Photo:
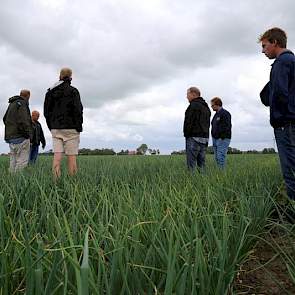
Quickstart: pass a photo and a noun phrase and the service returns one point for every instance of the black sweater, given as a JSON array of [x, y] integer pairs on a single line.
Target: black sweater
[[63, 108], [197, 119], [221, 124]]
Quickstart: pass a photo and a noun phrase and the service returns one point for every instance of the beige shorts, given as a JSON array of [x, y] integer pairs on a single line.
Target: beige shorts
[[65, 141]]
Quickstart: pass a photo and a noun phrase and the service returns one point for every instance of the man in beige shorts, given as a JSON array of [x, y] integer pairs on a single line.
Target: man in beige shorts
[[63, 111]]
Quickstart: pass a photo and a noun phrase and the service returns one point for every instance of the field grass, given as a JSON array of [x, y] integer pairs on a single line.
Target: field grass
[[132, 225]]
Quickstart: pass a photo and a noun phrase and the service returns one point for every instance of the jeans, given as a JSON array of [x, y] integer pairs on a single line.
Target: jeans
[[33, 154], [19, 155], [220, 147], [195, 153], [285, 139]]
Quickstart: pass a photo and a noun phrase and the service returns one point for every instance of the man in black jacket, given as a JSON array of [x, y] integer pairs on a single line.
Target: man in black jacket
[[221, 131], [18, 130], [63, 111], [38, 136], [196, 129]]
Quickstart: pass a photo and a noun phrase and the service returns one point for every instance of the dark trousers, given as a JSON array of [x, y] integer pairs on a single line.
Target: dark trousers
[[285, 138], [33, 154], [195, 153]]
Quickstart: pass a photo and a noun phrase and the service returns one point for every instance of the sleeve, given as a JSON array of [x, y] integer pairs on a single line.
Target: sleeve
[[42, 137], [24, 120], [225, 124], [264, 95], [4, 118], [281, 83], [78, 109], [46, 109], [191, 115]]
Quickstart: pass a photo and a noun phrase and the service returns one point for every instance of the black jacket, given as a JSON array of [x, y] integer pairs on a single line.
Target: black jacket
[[197, 119], [221, 124], [63, 108], [38, 135], [17, 119]]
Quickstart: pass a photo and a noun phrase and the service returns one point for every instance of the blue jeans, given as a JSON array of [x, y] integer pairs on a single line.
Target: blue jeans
[[285, 138], [220, 147], [195, 153], [33, 154]]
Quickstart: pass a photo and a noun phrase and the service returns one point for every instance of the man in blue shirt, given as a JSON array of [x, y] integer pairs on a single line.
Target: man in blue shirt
[[220, 131], [279, 95]]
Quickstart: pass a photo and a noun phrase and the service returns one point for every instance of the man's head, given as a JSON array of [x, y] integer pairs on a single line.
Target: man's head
[[216, 104], [192, 93], [273, 42], [35, 116], [65, 73], [25, 93]]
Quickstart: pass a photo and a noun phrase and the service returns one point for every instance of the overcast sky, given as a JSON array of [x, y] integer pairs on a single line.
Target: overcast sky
[[133, 61]]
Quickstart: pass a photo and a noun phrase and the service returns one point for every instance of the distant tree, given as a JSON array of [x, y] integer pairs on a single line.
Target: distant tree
[[102, 152], [123, 153], [234, 151], [252, 152], [141, 150], [158, 152], [182, 152], [268, 151]]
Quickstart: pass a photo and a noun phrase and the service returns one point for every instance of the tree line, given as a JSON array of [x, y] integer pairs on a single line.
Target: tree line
[[232, 151]]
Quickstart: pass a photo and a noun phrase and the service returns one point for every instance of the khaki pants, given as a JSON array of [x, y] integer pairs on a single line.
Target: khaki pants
[[19, 155]]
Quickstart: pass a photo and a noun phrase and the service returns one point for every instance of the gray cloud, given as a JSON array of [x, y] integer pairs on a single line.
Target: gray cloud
[[122, 53]]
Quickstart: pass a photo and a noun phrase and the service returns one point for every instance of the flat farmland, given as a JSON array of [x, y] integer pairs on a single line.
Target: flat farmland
[[133, 225]]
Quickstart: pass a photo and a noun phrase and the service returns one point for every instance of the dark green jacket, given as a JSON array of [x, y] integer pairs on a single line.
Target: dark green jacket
[[17, 119]]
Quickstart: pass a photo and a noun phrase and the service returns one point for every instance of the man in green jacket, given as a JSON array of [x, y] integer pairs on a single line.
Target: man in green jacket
[[18, 130]]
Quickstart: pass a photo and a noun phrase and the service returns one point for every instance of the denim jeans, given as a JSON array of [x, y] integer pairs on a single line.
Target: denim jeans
[[33, 154], [195, 153], [285, 139], [220, 147]]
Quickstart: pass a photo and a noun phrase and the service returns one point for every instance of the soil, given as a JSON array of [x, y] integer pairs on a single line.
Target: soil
[[265, 272]]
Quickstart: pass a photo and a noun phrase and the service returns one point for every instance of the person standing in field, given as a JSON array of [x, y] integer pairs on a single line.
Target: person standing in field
[[38, 136], [279, 95], [196, 129], [18, 130], [220, 131], [63, 111]]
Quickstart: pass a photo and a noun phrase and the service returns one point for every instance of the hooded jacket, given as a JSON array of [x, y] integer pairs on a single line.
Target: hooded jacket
[[62, 107], [17, 119], [279, 93], [197, 119]]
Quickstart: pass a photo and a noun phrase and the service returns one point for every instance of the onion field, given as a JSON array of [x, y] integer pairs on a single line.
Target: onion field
[[132, 225]]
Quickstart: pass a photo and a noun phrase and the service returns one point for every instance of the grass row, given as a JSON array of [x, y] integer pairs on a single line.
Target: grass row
[[132, 225]]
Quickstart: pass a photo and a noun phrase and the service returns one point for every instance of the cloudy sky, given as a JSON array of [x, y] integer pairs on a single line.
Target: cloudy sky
[[133, 60]]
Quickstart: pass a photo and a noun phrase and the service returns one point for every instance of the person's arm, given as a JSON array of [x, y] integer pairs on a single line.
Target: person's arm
[[78, 109], [264, 95], [225, 124], [24, 120], [42, 137], [281, 83], [46, 108]]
